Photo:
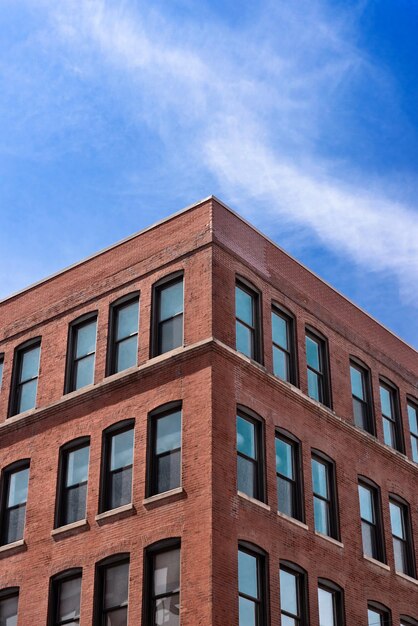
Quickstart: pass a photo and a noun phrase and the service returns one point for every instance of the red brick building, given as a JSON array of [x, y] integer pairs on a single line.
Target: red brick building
[[196, 430]]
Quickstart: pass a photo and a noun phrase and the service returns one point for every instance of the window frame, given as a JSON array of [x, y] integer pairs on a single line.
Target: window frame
[[112, 343], [289, 318], [298, 482], [301, 591], [396, 410], [16, 383], [413, 404], [54, 586], [64, 451], [99, 612], [105, 473], [408, 541], [256, 330], [6, 472], [382, 610], [150, 552], [259, 462], [152, 464], [263, 613], [1, 369], [73, 327], [377, 510], [368, 393], [338, 599], [406, 620], [333, 509], [324, 375], [163, 283], [10, 592]]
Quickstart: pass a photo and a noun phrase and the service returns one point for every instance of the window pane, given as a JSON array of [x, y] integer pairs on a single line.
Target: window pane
[[121, 488], [1, 371], [368, 536], [247, 574], [171, 300], [288, 592], [15, 524], [280, 330], [30, 364], [412, 417], [116, 581], [396, 519], [247, 612], [246, 477], [284, 458], [18, 487], [117, 618], [400, 556], [126, 354], [289, 621], [77, 466], [121, 449], [280, 364], [326, 608], [314, 386], [168, 472], [321, 516], [127, 320], [84, 372], [385, 401], [75, 504], [8, 611], [244, 339], [388, 432], [167, 611], [85, 339], [167, 572], [69, 599], [357, 383], [373, 618], [245, 437], [244, 306], [414, 445], [319, 478], [360, 414], [168, 432], [285, 496], [366, 504], [312, 353], [171, 334], [27, 395]]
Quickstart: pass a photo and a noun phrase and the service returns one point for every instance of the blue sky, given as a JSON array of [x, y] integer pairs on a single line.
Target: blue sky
[[302, 116]]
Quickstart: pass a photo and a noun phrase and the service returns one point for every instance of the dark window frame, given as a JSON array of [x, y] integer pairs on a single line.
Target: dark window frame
[[73, 327], [108, 433], [301, 590], [150, 551], [10, 592], [54, 587], [263, 613], [411, 402], [324, 374], [257, 329], [151, 473], [406, 620], [290, 319], [396, 410], [382, 610], [65, 449], [338, 593], [16, 383], [162, 283], [408, 542], [379, 526], [368, 392], [298, 481], [259, 462], [99, 612], [115, 306], [1, 369], [333, 509], [6, 472]]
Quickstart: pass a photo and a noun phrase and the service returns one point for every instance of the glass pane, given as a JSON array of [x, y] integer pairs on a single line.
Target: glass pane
[[285, 496], [127, 320], [171, 334], [167, 572], [414, 445], [18, 487], [117, 618], [69, 599], [373, 618], [279, 326], [27, 396], [321, 516], [121, 488], [366, 503], [247, 574], [400, 556], [319, 478], [247, 612], [385, 401], [84, 372], [412, 417], [326, 608], [168, 432], [312, 354], [171, 301], [360, 415], [116, 582], [8, 611], [30, 364], [126, 354], [15, 524], [356, 382], [168, 472], [284, 458], [75, 505], [245, 437], [121, 449], [246, 477], [1, 371], [289, 621], [368, 536], [77, 466], [167, 611], [85, 339], [244, 339], [396, 519], [314, 386], [388, 432], [280, 364], [288, 593], [244, 306]]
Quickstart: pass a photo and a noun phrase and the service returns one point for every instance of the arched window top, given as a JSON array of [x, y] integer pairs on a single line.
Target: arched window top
[[290, 565], [163, 544], [322, 455], [245, 545], [132, 295], [126, 423], [408, 621], [329, 584], [357, 361], [283, 432], [8, 591], [113, 558], [28, 343], [397, 499], [17, 465], [245, 411], [67, 573], [85, 317], [78, 441], [365, 480], [311, 330], [282, 310], [173, 276], [166, 408]]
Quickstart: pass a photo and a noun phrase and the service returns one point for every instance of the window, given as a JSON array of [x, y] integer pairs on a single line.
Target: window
[[25, 377], [292, 595], [324, 494], [65, 599], [123, 334], [360, 390], [251, 587], [330, 604], [413, 428], [371, 523], [168, 315], [117, 471], [250, 456], [1, 368], [165, 457], [317, 368], [112, 590], [390, 415], [408, 621], [81, 353], [72, 489], [288, 474], [378, 615], [15, 493], [247, 324], [402, 537], [283, 346], [162, 577], [9, 599]]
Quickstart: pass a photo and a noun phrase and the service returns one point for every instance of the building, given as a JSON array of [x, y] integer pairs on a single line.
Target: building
[[246, 454]]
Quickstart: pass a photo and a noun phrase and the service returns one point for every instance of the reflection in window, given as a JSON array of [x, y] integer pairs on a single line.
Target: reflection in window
[[250, 589], [124, 335], [249, 470], [82, 351], [317, 369], [25, 382], [169, 315], [413, 428], [246, 321], [325, 506], [370, 521], [166, 451], [361, 397], [288, 477], [117, 478], [283, 366], [401, 537], [73, 491], [390, 417], [16, 493]]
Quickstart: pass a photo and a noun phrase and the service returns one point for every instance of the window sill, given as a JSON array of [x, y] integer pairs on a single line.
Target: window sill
[[115, 514], [13, 548], [70, 529], [262, 505], [161, 498], [330, 539], [414, 581], [292, 520], [376, 562]]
